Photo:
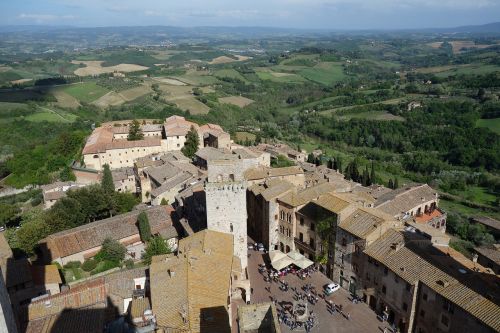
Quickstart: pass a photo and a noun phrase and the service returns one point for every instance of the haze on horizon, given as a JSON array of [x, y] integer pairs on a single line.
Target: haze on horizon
[[308, 14]]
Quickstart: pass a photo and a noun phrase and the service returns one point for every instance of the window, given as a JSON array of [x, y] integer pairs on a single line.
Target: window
[[448, 306], [408, 286], [357, 249], [384, 289], [312, 243], [301, 221], [386, 271], [405, 306], [344, 241], [276, 216], [313, 227], [422, 313], [445, 320], [424, 297], [301, 237]]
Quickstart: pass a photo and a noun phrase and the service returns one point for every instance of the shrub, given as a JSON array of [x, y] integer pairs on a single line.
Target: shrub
[[111, 250], [89, 265], [129, 263], [73, 264], [104, 266]]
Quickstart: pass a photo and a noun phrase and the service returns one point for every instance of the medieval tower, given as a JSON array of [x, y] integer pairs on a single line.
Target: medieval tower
[[225, 191]]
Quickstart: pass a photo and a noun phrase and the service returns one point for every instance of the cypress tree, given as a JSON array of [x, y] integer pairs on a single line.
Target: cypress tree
[[372, 174], [366, 177], [396, 183], [339, 165], [310, 158], [391, 184], [107, 183], [191, 144], [135, 132], [144, 227]]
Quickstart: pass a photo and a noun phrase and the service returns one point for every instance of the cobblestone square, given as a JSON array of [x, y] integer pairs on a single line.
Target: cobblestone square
[[362, 318]]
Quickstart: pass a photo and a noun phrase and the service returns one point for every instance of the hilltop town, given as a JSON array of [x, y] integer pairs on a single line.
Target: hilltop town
[[219, 233]]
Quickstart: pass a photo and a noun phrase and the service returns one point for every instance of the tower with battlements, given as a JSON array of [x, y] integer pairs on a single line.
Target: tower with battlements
[[225, 191]]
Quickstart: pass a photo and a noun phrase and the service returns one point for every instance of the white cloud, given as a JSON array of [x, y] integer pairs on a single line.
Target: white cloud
[[395, 4], [43, 18]]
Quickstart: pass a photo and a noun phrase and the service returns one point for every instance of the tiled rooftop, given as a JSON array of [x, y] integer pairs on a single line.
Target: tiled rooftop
[[195, 284], [92, 235], [411, 267], [404, 199]]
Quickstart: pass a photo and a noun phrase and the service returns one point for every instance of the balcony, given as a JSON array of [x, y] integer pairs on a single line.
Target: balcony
[[305, 245]]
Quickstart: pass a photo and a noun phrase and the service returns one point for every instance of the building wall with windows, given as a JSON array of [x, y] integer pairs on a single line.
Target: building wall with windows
[[435, 313]]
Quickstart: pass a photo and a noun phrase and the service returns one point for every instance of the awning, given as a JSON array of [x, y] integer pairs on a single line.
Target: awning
[[280, 260], [282, 263], [303, 262], [294, 255]]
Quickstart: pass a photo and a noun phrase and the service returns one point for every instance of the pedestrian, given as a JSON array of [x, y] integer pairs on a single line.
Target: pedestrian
[[348, 316], [251, 290]]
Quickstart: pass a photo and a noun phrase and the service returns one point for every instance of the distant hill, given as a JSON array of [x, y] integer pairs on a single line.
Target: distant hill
[[484, 28]]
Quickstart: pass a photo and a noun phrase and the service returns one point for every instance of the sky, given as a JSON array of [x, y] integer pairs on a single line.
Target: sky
[[303, 14]]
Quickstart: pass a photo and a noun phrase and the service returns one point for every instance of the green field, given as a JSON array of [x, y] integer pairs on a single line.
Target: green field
[[289, 78], [49, 115], [196, 79], [492, 124], [6, 106], [371, 115], [325, 73], [86, 92], [477, 194], [229, 73], [242, 136]]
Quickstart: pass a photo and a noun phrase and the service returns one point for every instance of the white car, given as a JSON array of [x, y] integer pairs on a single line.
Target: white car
[[331, 288]]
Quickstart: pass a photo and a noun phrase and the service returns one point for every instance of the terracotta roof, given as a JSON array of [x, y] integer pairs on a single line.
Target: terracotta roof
[[122, 173], [195, 284], [277, 189], [177, 180], [332, 202], [90, 319], [92, 235], [364, 221], [178, 126], [138, 306], [404, 199], [412, 268], [144, 128], [302, 197], [210, 153], [101, 140], [162, 173], [83, 295], [46, 274], [262, 172]]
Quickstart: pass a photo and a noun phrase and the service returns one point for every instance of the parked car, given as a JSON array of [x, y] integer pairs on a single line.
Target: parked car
[[251, 247], [260, 247], [331, 288]]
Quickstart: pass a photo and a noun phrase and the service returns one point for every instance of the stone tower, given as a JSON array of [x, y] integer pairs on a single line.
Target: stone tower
[[225, 191]]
